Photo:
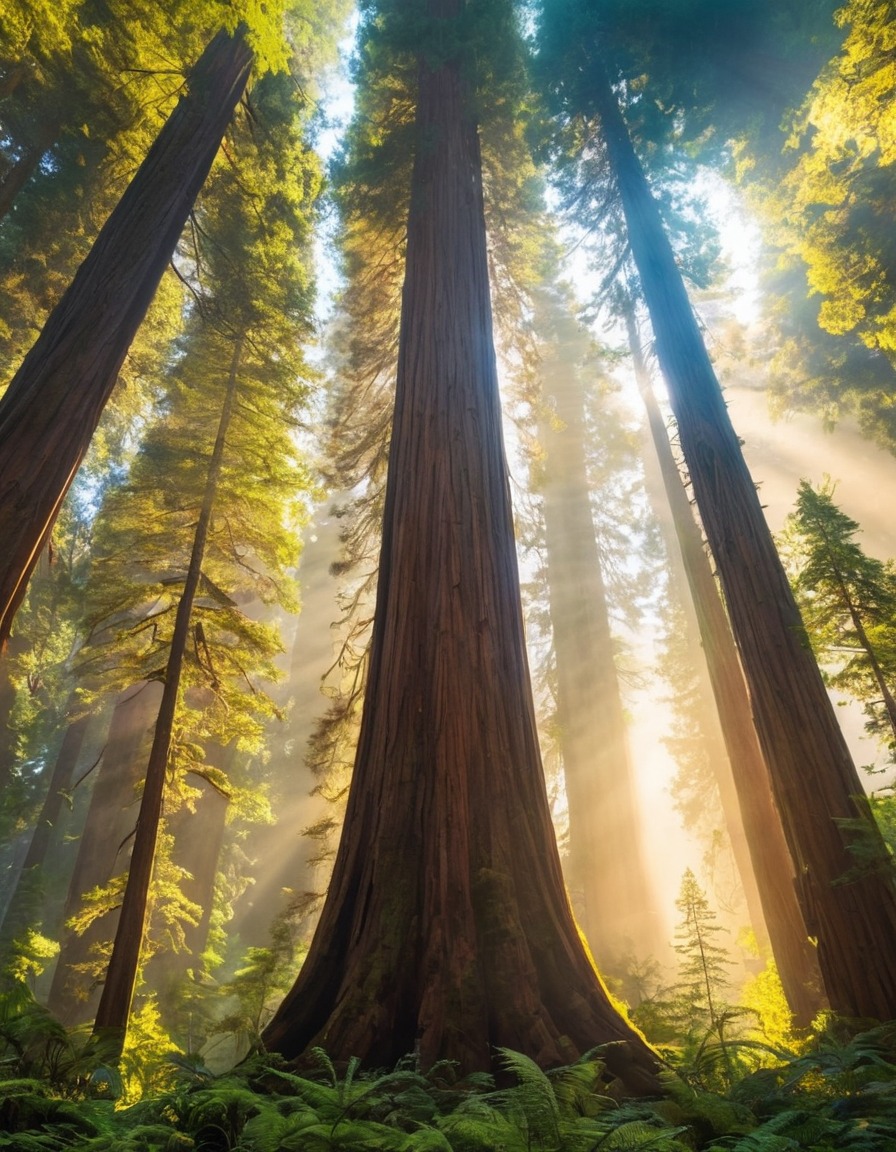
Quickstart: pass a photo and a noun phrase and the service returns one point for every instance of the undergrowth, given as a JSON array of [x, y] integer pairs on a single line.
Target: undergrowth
[[58, 1092]]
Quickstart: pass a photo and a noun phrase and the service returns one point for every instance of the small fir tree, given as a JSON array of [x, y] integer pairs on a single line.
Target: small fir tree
[[848, 602], [703, 965]]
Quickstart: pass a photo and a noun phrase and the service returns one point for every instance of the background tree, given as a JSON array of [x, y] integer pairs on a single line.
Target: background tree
[[742, 778], [604, 868], [703, 966], [848, 601], [797, 729], [254, 302]]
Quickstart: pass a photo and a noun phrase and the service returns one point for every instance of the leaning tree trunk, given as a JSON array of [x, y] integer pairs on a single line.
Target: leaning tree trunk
[[446, 928], [843, 869], [753, 822], [54, 402], [124, 963], [605, 868]]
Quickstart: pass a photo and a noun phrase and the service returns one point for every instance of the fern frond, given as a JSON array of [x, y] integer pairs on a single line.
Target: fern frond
[[722, 1116], [324, 1062], [641, 1135], [483, 1130], [534, 1097], [575, 1088]]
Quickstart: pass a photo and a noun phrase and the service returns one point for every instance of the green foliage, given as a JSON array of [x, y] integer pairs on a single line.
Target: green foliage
[[257, 986], [840, 189], [823, 191], [703, 965], [841, 1094], [762, 995], [35, 1047], [30, 955], [848, 603]]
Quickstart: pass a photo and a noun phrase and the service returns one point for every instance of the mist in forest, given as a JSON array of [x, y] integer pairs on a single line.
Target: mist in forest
[[187, 648]]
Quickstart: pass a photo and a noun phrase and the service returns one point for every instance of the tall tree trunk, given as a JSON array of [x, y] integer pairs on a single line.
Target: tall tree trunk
[[843, 870], [54, 402], [605, 869], [105, 835], [124, 963], [446, 927], [28, 885], [752, 819]]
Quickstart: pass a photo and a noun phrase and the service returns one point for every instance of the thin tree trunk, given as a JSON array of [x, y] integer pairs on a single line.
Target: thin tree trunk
[[605, 868], [446, 928], [124, 963], [848, 900], [54, 402], [752, 819]]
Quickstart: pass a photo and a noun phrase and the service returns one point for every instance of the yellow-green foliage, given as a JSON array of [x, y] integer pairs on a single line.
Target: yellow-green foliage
[[837, 202], [763, 995], [145, 1069]]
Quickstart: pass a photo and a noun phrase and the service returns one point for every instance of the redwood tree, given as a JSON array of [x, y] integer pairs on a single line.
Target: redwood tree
[[54, 402], [605, 867], [844, 876], [446, 928], [744, 786]]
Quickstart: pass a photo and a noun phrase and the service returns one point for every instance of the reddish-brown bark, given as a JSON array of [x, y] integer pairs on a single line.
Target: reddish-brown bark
[[751, 817], [446, 927], [847, 897], [54, 402]]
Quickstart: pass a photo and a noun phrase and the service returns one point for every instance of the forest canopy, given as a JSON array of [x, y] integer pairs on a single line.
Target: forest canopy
[[424, 663]]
